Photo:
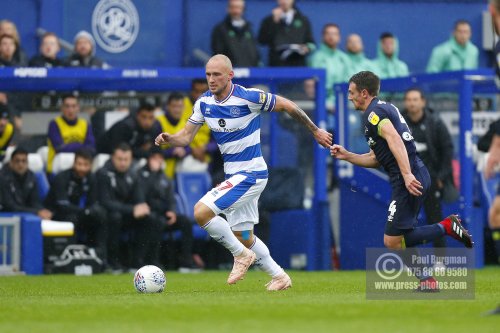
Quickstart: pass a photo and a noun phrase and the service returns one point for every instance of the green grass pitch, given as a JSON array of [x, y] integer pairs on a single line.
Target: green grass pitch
[[203, 303]]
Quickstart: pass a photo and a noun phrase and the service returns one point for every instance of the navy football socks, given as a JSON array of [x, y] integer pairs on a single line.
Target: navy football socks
[[423, 234]]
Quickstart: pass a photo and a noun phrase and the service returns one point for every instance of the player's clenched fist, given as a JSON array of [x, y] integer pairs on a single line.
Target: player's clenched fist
[[338, 151], [162, 139]]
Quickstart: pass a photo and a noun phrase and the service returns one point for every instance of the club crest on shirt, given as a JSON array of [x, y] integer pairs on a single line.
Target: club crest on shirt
[[235, 112], [373, 118], [262, 98], [222, 123]]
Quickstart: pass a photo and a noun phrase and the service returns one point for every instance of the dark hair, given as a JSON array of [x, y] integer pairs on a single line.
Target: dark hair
[[366, 80], [18, 151], [330, 25], [66, 96], [155, 150], [422, 95], [385, 35], [175, 96], [4, 110], [123, 147], [460, 22], [84, 153], [198, 81], [146, 107]]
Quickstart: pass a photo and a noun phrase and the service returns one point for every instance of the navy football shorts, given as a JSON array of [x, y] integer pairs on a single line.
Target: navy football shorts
[[404, 207]]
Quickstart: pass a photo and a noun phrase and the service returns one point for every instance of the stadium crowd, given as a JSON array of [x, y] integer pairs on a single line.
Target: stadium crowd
[[120, 191]]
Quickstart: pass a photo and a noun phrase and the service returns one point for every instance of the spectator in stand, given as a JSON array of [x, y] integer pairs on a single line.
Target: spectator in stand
[[172, 122], [9, 28], [122, 195], [161, 200], [8, 47], [358, 61], [6, 130], [387, 63], [200, 146], [49, 48], [287, 33], [234, 38], [68, 132], [435, 148], [331, 58], [138, 130], [84, 52], [457, 53], [19, 187], [73, 197]]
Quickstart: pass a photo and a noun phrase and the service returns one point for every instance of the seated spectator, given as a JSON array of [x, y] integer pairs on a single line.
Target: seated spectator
[[19, 187], [331, 58], [161, 200], [84, 52], [122, 196], [73, 197], [172, 122], [457, 53], [358, 61], [9, 28], [202, 138], [6, 130], [68, 132], [49, 48], [8, 47], [138, 130], [287, 33], [387, 63], [234, 38]]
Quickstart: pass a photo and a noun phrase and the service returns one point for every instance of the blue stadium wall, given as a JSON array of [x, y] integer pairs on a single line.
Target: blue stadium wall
[[171, 29]]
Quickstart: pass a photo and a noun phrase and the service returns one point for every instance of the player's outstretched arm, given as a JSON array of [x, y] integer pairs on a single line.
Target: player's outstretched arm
[[321, 136], [367, 160], [398, 149], [179, 139]]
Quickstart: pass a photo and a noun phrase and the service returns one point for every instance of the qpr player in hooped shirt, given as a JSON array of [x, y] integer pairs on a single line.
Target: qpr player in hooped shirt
[[232, 112]]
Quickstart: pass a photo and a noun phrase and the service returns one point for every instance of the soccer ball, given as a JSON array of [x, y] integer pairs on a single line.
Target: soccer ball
[[149, 279]]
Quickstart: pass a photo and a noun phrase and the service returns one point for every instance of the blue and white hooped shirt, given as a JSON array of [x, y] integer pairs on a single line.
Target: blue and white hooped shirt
[[235, 124]]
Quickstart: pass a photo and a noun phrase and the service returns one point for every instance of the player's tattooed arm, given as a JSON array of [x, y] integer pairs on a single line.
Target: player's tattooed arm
[[283, 104], [321, 136]]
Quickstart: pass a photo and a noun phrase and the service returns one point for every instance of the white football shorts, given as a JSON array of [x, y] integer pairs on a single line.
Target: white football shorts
[[237, 197]]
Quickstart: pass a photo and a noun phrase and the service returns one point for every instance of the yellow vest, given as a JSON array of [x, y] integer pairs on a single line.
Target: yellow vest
[[69, 134], [5, 137], [202, 138]]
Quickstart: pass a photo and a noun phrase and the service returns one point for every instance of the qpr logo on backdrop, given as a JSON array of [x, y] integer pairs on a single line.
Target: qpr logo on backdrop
[[115, 24]]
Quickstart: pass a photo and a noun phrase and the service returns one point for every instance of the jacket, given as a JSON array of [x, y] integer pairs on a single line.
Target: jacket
[[119, 192], [335, 62], [19, 193], [278, 36], [439, 144], [69, 194], [159, 189], [450, 56], [128, 130], [237, 43], [390, 67]]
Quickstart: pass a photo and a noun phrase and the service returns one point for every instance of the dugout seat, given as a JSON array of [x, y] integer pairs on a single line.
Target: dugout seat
[[62, 162], [191, 187]]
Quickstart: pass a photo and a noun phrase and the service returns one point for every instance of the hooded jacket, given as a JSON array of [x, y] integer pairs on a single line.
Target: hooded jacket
[[451, 56], [390, 67]]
